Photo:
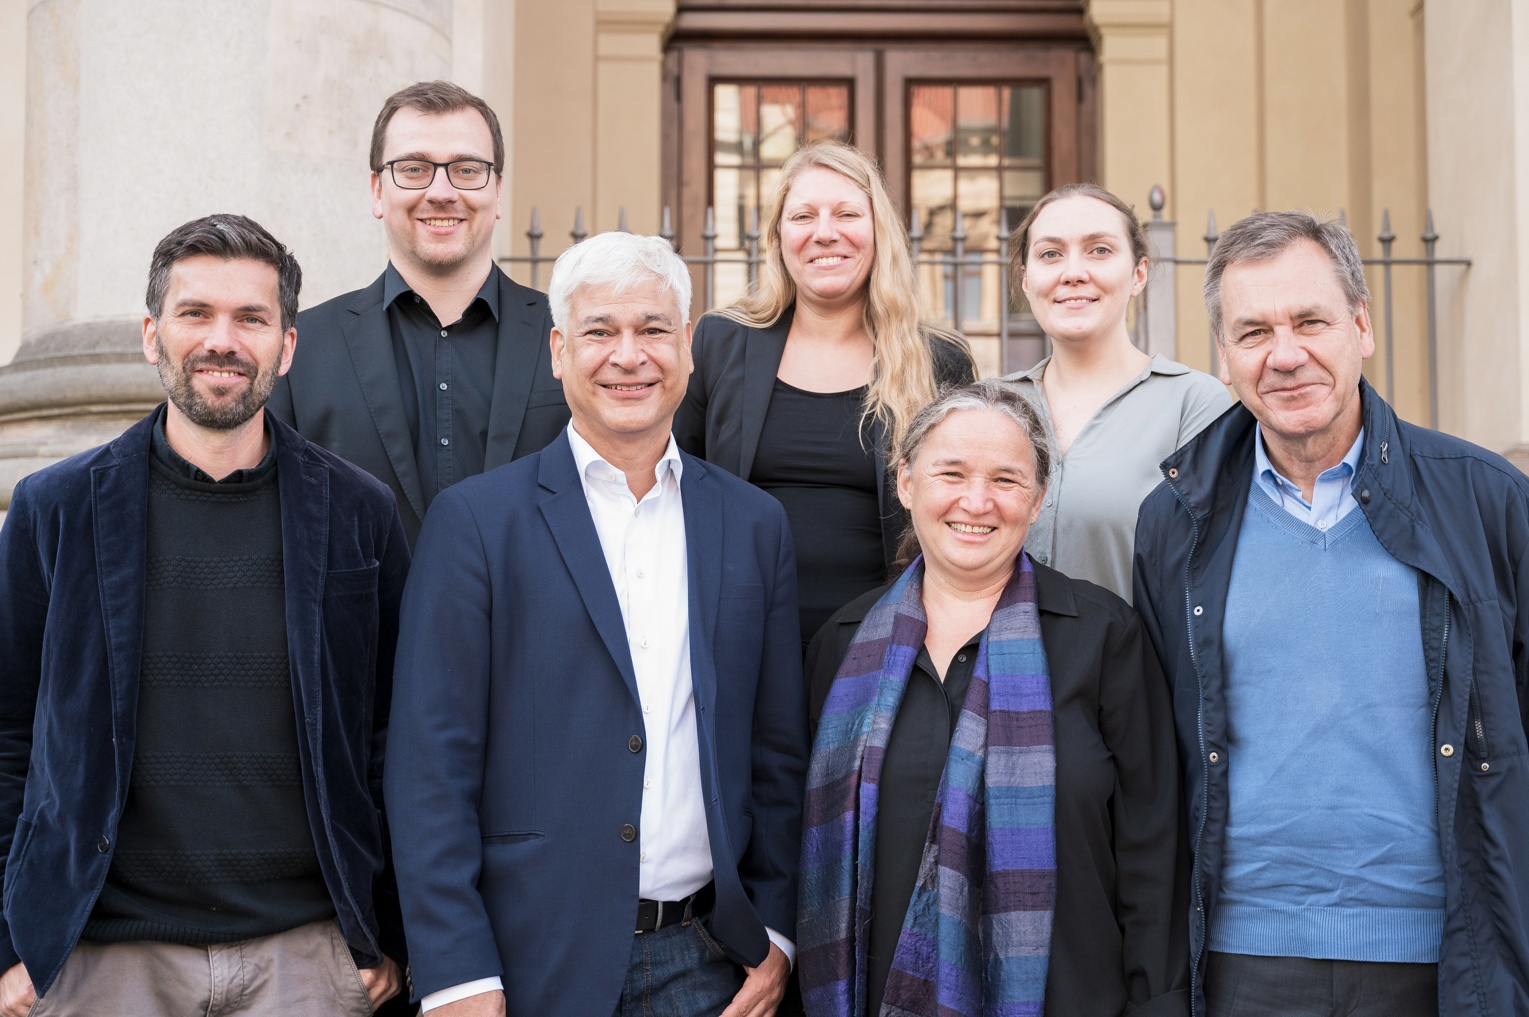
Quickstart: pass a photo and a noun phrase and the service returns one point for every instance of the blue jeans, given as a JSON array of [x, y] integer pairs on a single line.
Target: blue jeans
[[678, 971]]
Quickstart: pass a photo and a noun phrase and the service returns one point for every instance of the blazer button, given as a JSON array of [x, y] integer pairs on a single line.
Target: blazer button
[[103, 845], [628, 833], [634, 743]]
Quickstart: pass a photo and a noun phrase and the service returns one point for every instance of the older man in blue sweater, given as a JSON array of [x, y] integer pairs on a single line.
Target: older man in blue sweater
[[1341, 601]]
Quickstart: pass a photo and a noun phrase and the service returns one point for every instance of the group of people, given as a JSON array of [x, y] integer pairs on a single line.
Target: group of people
[[516, 654]]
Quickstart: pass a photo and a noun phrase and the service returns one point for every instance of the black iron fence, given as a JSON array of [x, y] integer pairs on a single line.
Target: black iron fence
[[947, 276]]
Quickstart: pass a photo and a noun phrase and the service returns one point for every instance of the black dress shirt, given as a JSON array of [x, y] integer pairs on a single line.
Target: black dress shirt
[[185, 468], [911, 770], [446, 374]]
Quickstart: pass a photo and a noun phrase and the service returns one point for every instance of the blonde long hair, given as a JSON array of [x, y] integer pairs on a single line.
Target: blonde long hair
[[902, 351]]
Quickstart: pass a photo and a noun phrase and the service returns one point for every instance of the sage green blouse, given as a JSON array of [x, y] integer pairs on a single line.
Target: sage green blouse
[[1087, 525]]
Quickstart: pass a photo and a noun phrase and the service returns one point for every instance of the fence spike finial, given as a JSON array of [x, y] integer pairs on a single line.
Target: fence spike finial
[[578, 232], [1157, 198], [666, 227], [621, 220], [1386, 236]]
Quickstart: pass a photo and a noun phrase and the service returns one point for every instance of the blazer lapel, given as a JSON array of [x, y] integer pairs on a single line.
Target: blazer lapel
[[703, 543], [371, 353], [573, 530], [522, 336], [762, 351], [303, 489], [119, 495]]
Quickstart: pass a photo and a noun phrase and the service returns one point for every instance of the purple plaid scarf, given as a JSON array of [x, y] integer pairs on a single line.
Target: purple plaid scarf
[[977, 936]]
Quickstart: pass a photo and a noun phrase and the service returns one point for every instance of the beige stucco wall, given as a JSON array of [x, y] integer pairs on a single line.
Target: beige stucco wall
[[1234, 105], [1478, 167], [13, 106], [587, 117]]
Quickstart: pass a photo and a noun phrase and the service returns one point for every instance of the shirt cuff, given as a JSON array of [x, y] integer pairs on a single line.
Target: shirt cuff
[[441, 997], [786, 946]]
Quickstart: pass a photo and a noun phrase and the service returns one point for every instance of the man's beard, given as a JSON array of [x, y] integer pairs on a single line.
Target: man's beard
[[225, 414]]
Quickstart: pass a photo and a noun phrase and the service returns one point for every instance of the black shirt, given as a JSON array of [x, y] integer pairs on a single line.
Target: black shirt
[[910, 778], [446, 375], [812, 459]]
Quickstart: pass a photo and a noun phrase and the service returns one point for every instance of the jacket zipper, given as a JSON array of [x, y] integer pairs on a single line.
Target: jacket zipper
[[1194, 661], [1443, 654], [1480, 748]]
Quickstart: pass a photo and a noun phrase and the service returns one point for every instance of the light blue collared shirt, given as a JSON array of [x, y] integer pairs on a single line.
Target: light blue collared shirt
[[1331, 497]]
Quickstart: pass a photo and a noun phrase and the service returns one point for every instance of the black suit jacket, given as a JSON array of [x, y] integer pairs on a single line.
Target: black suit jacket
[[343, 390], [724, 408]]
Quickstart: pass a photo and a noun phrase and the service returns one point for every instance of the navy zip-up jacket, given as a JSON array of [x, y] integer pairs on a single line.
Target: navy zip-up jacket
[[1459, 515]]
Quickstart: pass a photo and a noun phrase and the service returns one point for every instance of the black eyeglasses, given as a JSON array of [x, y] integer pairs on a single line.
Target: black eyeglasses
[[418, 174]]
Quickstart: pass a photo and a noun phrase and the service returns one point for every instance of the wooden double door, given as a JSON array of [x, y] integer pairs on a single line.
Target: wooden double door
[[975, 106]]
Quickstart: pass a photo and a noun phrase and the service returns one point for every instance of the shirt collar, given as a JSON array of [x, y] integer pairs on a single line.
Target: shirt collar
[[592, 466], [159, 444], [394, 286], [1263, 468]]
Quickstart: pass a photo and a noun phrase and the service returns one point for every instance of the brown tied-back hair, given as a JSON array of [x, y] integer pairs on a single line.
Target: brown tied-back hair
[[989, 394], [902, 357], [434, 97]]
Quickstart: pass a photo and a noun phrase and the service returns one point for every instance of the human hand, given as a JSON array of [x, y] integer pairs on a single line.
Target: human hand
[[381, 982], [762, 988], [16, 992], [484, 1004]]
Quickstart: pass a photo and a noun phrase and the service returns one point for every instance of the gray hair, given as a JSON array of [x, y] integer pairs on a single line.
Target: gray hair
[[620, 262], [989, 394], [230, 237], [1263, 236]]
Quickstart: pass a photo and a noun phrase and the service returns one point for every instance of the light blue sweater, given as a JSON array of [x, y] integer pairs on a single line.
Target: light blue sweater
[[1332, 846]]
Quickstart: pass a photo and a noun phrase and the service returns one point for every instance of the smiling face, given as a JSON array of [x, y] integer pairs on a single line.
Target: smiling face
[[218, 344], [973, 493], [827, 238], [439, 230], [1079, 273], [1292, 348], [624, 363]]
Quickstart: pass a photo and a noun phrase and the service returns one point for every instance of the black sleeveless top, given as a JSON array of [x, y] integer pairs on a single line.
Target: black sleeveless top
[[812, 458]]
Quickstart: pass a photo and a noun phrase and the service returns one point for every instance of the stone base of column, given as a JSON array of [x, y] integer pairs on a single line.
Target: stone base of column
[[69, 389]]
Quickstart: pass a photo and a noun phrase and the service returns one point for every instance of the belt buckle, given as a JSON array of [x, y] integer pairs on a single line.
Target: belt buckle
[[658, 922]]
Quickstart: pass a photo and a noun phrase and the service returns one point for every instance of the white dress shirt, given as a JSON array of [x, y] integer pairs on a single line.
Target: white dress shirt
[[645, 552]]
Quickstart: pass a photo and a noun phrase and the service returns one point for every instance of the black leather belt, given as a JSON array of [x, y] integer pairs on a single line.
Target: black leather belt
[[653, 915]]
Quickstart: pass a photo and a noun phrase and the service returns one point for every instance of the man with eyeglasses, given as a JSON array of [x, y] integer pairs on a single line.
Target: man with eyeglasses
[[440, 368]]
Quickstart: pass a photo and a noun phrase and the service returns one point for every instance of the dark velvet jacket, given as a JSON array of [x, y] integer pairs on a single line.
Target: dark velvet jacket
[[724, 409], [1118, 938], [1459, 515], [343, 390], [72, 565]]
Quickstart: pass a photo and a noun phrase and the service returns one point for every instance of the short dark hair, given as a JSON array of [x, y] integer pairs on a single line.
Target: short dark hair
[[225, 236], [1264, 236], [434, 97]]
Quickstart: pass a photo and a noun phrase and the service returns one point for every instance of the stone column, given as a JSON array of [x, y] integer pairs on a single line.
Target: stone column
[[142, 116]]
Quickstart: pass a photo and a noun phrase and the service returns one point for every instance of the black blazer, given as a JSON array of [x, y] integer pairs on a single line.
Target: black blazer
[[724, 408], [1120, 932], [343, 390]]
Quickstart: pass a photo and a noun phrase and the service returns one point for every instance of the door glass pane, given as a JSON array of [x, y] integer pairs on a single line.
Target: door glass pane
[[931, 124], [780, 113], [827, 112], [977, 125], [1025, 117]]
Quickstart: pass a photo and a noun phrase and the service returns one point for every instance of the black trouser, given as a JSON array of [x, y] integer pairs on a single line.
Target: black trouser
[[1241, 985]]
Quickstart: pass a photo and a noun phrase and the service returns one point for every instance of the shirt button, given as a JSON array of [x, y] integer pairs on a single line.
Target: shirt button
[[443, 333], [1322, 525], [634, 743], [628, 832], [445, 441], [1199, 610], [1446, 750], [646, 708], [1043, 559], [443, 386], [647, 783], [641, 574], [103, 845], [642, 857], [644, 644], [1048, 502], [961, 657]]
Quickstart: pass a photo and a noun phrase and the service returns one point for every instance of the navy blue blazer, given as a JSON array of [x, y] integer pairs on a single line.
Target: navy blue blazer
[[343, 390], [72, 566], [510, 763]]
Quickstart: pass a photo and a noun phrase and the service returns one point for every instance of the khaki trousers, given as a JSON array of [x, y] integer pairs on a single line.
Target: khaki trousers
[[304, 972]]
